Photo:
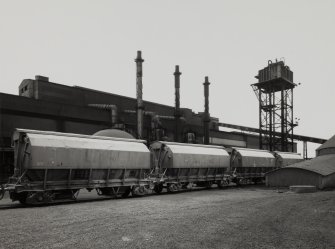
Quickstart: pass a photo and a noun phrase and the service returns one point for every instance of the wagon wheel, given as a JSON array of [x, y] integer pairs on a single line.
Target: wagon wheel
[[138, 191], [208, 184], [185, 185], [23, 201], [172, 187], [158, 188], [126, 193], [22, 197], [223, 183]]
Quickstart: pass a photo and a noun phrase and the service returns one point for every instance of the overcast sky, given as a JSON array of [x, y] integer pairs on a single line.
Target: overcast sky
[[94, 43]]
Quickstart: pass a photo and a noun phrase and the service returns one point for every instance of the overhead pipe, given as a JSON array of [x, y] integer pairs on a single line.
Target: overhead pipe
[[206, 118], [177, 113], [152, 114], [154, 118], [111, 108], [139, 94]]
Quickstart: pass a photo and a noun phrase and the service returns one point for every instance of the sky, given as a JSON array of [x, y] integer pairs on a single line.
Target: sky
[[93, 44]]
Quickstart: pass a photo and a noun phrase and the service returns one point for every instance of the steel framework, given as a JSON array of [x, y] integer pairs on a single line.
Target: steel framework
[[275, 95]]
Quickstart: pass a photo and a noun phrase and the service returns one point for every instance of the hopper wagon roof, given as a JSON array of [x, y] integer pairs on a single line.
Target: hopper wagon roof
[[54, 150], [288, 155], [199, 150], [62, 134], [253, 153], [43, 140]]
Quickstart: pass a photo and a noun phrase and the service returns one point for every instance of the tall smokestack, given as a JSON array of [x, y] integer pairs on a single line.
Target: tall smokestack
[[177, 114], [206, 114], [139, 94]]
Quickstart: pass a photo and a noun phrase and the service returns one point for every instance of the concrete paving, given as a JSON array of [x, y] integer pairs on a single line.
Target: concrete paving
[[246, 217]]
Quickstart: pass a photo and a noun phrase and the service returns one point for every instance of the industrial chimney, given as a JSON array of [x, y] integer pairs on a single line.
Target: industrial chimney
[[206, 118], [139, 94], [177, 114]]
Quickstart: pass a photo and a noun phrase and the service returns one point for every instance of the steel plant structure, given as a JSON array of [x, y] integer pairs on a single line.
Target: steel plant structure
[[47, 106], [274, 91]]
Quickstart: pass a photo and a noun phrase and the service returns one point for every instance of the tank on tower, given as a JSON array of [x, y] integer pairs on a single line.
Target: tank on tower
[[274, 91]]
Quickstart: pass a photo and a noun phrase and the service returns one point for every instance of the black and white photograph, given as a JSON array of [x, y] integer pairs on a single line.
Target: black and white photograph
[[165, 124]]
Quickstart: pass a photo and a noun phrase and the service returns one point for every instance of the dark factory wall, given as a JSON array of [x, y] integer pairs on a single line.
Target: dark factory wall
[[53, 92]]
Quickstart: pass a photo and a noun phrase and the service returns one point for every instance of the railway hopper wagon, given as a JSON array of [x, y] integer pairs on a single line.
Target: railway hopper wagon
[[52, 165], [284, 159], [250, 165], [176, 165]]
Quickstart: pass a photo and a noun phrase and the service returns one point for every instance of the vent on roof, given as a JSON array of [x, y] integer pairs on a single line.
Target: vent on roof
[[41, 78]]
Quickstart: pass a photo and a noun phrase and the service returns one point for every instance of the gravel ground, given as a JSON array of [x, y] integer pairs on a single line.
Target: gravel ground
[[248, 217]]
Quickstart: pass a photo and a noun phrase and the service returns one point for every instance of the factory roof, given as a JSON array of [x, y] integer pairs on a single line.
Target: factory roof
[[323, 165], [328, 144]]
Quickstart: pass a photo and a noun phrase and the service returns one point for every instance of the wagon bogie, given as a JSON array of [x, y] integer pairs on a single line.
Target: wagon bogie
[[158, 188]]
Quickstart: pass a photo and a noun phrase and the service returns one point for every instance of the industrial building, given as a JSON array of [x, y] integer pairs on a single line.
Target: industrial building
[[319, 171], [48, 106]]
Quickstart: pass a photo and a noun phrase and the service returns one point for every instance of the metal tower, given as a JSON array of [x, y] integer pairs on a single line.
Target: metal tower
[[274, 91]]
